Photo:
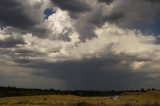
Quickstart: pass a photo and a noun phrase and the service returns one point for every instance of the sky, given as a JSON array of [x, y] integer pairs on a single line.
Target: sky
[[80, 44]]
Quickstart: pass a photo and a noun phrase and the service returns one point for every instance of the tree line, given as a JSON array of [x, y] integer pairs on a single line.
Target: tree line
[[13, 91]]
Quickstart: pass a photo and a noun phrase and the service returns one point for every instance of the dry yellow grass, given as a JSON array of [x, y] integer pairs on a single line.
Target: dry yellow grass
[[128, 99]]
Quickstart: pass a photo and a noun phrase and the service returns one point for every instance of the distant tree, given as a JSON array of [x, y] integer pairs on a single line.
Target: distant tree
[[142, 90], [153, 89]]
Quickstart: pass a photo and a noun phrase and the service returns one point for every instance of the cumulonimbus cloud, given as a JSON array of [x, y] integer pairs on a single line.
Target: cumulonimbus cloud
[[98, 38], [110, 38]]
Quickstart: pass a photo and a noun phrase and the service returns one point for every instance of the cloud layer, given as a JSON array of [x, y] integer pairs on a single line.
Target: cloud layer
[[85, 44]]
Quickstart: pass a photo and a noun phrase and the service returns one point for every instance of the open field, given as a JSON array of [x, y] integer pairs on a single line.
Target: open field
[[151, 98]]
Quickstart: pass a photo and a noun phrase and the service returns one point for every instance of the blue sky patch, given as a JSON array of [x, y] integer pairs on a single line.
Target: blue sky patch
[[48, 12]]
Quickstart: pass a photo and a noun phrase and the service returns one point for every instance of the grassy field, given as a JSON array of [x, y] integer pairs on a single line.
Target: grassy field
[[151, 98]]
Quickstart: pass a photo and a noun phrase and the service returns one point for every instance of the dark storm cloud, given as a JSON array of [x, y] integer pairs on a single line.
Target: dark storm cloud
[[100, 18], [12, 14], [88, 16], [133, 14], [137, 14], [153, 1], [110, 71], [74, 6], [107, 73], [106, 1]]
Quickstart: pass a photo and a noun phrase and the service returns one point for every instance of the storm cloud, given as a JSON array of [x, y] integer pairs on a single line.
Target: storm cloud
[[21, 15], [107, 73], [106, 1], [125, 13], [75, 6], [86, 15], [82, 44], [12, 14]]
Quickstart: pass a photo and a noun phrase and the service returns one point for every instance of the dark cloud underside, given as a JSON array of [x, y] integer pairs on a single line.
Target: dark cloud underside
[[154, 1], [12, 14], [92, 74], [75, 6], [106, 1]]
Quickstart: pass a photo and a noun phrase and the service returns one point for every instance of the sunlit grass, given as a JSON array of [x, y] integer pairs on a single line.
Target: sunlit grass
[[151, 98]]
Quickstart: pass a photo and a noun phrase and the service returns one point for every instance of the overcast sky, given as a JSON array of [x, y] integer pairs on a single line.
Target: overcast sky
[[80, 44]]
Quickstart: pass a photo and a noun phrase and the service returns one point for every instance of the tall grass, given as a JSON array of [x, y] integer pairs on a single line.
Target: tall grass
[[128, 99]]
